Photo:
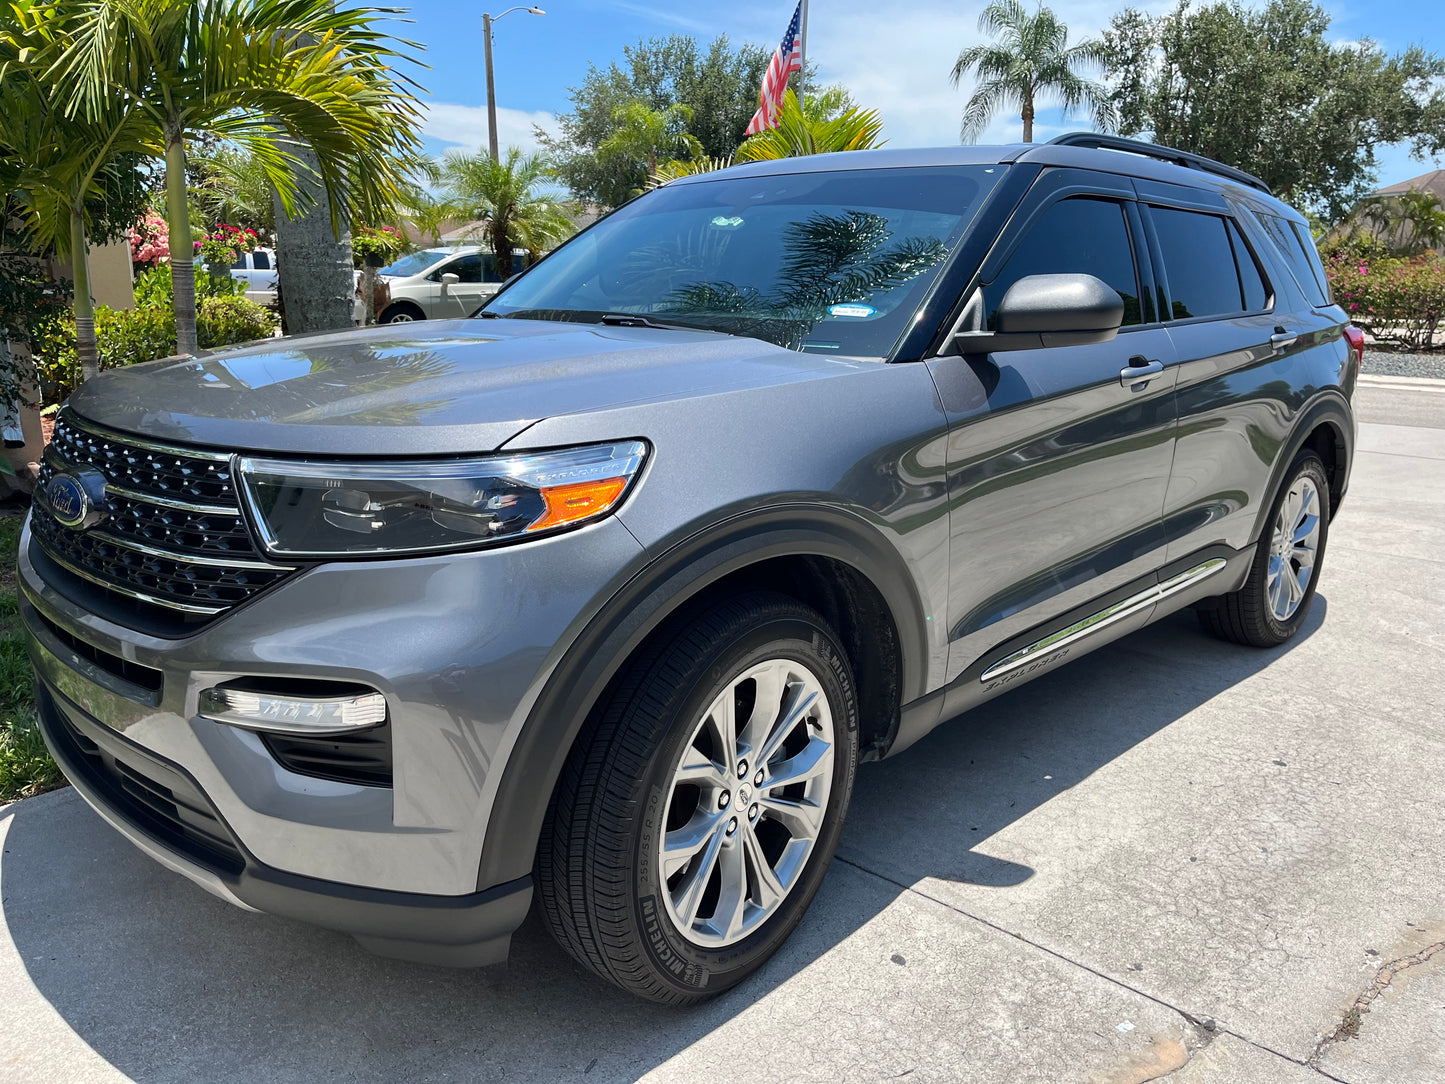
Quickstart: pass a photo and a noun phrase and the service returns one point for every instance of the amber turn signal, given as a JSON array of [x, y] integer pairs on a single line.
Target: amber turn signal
[[578, 501]]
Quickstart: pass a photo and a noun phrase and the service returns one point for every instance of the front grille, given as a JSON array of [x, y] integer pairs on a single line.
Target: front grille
[[173, 540], [150, 793]]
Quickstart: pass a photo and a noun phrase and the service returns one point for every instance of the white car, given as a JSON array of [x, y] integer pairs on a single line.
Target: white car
[[438, 284], [258, 271]]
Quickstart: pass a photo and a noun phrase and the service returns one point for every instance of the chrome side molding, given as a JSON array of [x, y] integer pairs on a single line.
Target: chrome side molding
[[1109, 615]]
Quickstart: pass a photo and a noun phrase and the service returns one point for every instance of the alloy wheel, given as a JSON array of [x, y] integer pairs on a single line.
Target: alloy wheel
[[746, 803], [1294, 548]]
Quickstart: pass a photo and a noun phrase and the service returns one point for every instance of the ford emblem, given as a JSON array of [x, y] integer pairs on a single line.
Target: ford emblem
[[77, 500]]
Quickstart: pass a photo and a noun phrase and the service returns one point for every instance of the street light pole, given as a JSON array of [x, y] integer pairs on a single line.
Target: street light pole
[[487, 21]]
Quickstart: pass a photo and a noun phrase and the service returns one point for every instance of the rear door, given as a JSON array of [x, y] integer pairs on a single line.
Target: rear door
[[1058, 465], [1239, 328]]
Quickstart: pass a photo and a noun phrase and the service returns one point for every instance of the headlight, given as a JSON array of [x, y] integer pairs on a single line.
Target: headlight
[[360, 508]]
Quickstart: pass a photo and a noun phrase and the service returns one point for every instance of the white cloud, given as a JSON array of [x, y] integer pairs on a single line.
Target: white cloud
[[898, 61], [466, 126]]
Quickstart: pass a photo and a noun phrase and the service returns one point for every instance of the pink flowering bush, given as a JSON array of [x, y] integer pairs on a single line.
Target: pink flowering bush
[[150, 242], [1399, 301], [223, 245]]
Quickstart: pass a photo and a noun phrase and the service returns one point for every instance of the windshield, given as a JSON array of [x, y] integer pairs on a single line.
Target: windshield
[[414, 263], [833, 262]]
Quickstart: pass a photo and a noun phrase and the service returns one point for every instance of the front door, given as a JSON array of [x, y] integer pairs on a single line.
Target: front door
[[465, 296], [1058, 464]]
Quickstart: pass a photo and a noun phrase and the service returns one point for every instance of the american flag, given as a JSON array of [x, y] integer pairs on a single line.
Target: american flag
[[787, 60]]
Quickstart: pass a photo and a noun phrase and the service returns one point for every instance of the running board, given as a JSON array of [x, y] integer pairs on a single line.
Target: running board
[[1109, 615]]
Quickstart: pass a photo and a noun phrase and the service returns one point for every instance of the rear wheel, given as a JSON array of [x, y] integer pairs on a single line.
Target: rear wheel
[[1276, 598], [696, 817]]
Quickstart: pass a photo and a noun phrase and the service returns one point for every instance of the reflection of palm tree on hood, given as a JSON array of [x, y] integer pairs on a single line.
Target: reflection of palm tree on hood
[[829, 260]]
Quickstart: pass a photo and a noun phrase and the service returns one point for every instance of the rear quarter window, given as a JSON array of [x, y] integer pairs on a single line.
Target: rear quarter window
[[1298, 249]]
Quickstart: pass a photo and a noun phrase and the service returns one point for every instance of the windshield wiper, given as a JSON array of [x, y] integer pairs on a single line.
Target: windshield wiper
[[635, 319]]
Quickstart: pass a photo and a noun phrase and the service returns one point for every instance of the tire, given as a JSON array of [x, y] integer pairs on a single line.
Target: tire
[[401, 314], [1268, 609], [600, 866]]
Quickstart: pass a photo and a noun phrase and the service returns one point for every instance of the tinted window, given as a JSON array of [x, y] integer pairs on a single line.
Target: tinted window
[[1256, 293], [260, 260], [833, 261], [1198, 263], [1074, 236], [466, 269], [1298, 249], [413, 264]]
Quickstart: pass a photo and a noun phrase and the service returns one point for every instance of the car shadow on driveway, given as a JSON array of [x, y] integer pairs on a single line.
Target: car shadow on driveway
[[163, 982]]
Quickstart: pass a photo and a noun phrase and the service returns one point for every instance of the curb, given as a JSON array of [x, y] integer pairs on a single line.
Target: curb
[[1403, 383]]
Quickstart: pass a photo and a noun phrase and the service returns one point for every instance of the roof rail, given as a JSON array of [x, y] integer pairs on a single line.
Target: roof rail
[[1164, 154]]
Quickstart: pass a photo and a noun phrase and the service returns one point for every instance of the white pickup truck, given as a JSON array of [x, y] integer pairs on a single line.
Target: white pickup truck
[[258, 271]]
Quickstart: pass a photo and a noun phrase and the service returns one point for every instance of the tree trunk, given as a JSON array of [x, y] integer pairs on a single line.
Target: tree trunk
[[1028, 116], [313, 265], [85, 350], [368, 293], [501, 249], [183, 257]]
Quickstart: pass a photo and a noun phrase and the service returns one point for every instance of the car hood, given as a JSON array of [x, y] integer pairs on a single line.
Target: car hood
[[440, 386]]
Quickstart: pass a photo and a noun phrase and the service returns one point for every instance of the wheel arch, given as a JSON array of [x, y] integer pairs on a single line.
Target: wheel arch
[[402, 303], [1326, 425], [794, 550]]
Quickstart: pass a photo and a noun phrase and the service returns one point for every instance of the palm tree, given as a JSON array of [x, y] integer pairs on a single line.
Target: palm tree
[[273, 76], [507, 195], [1419, 221], [1030, 58], [801, 131], [640, 134], [56, 164]]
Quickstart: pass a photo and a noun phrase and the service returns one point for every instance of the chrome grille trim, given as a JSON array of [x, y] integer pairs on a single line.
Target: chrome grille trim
[[175, 538], [188, 558], [139, 596], [168, 502], [60, 463], [117, 437]]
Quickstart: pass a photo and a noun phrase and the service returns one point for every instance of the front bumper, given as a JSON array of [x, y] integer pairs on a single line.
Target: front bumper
[[159, 808], [458, 645]]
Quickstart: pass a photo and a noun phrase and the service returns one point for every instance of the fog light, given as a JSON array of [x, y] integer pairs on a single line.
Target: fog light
[[293, 714]]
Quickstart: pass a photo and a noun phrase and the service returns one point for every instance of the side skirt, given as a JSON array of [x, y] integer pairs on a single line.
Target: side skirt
[[1217, 570]]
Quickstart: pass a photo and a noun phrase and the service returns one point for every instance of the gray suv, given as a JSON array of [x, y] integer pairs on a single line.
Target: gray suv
[[602, 596]]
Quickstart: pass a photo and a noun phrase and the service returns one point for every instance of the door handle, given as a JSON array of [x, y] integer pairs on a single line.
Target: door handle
[[1282, 340], [1139, 372]]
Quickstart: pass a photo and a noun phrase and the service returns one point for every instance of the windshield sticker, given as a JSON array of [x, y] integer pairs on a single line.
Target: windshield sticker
[[856, 312], [723, 222]]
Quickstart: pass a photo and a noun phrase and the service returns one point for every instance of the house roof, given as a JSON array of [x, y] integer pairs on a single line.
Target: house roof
[[1432, 182]]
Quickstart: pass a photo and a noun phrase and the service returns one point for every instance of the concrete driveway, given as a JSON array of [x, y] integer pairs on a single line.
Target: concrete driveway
[[1177, 854]]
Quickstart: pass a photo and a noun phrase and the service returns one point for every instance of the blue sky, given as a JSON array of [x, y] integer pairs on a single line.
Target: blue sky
[[895, 56]]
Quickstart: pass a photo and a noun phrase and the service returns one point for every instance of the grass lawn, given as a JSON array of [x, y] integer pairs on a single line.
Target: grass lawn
[[25, 767]]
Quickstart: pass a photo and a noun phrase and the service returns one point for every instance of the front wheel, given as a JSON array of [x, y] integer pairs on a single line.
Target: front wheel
[[695, 819], [1275, 599]]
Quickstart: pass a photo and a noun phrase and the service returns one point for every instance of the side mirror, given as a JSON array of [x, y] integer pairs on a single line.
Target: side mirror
[[449, 279], [1045, 310]]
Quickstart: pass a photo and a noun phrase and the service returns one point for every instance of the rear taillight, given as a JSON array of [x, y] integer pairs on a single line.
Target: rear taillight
[[1356, 339]]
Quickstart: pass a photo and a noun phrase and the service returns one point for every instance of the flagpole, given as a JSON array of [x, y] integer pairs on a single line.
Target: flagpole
[[803, 53]]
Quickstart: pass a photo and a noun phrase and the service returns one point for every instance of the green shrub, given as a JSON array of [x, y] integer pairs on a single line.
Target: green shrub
[[224, 321], [155, 290], [145, 333], [1397, 301]]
